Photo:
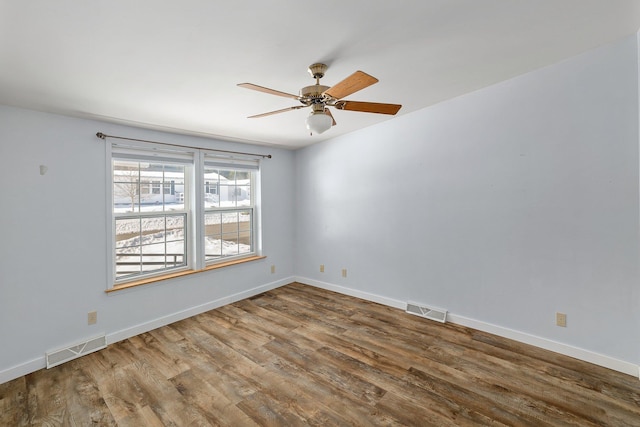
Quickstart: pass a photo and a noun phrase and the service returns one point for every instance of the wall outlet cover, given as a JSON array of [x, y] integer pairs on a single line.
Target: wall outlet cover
[[561, 319]]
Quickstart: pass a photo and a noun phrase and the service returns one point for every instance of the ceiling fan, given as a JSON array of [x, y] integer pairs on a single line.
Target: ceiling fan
[[320, 97]]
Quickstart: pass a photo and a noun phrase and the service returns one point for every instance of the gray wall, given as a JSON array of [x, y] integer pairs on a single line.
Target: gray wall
[[53, 240], [504, 206]]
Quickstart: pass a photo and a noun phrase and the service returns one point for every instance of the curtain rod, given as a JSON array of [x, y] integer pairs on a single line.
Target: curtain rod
[[105, 136]]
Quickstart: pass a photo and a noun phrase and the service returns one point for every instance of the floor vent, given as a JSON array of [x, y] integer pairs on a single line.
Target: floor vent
[[55, 358], [432, 313]]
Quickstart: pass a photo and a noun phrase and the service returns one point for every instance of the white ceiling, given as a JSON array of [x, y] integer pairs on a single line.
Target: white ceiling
[[174, 65]]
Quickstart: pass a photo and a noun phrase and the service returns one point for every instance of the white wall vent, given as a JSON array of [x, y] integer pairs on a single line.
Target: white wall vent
[[57, 357], [432, 313]]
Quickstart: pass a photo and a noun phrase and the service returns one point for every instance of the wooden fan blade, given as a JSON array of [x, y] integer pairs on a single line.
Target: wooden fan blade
[[277, 111], [267, 90], [355, 82], [328, 113], [370, 107]]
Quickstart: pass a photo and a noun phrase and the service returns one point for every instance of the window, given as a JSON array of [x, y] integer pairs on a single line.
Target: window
[[155, 187], [150, 228], [164, 221], [210, 187], [229, 211]]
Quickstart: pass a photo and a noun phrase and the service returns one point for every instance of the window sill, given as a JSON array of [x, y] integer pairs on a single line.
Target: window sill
[[155, 279]]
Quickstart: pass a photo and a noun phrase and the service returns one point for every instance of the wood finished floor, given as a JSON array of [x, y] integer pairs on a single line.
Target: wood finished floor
[[298, 355]]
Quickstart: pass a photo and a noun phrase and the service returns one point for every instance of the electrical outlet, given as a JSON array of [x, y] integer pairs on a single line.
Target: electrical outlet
[[321, 268], [344, 272], [273, 269], [561, 319], [92, 317]]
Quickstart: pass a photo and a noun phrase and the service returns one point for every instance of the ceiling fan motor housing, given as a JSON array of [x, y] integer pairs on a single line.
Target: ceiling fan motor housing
[[313, 93]]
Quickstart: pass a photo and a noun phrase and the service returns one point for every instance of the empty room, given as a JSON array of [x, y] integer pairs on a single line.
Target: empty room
[[408, 213]]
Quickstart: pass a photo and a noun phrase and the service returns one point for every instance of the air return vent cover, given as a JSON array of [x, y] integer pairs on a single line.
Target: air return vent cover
[[55, 358], [432, 313]]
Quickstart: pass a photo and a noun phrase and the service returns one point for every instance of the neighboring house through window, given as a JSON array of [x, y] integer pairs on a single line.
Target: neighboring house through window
[[163, 223], [229, 209]]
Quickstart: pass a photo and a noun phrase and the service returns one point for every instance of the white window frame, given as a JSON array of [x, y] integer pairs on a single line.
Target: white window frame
[[239, 166], [193, 195]]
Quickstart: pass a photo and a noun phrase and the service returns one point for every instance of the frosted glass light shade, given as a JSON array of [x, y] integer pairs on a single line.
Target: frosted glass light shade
[[318, 122]]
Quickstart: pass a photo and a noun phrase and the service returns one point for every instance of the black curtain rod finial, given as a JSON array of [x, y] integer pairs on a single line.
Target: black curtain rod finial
[[101, 135]]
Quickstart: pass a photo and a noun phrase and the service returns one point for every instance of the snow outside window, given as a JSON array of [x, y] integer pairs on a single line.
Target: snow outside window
[[163, 223], [150, 226], [229, 212]]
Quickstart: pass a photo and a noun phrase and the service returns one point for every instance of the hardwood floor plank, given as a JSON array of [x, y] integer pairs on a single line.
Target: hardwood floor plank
[[46, 398], [234, 386], [300, 313], [214, 405], [350, 348], [468, 399], [254, 328], [407, 346], [299, 355], [158, 354], [186, 349], [223, 365], [521, 392], [236, 336], [265, 327], [569, 365], [528, 384], [553, 371], [404, 411], [334, 408], [433, 405], [266, 412], [13, 403], [496, 403], [260, 402], [342, 380], [85, 403], [163, 398], [270, 316], [122, 394], [316, 303]]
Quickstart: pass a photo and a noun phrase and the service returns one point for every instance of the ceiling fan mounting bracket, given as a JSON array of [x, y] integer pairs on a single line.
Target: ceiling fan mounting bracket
[[317, 70]]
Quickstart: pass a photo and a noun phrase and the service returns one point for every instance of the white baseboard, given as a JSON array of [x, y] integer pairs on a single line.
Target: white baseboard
[[547, 344], [166, 320], [40, 362], [23, 369], [565, 349], [353, 292], [575, 352]]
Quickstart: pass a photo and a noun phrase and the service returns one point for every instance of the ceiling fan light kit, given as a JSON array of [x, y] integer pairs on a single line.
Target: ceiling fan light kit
[[318, 122], [320, 97]]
